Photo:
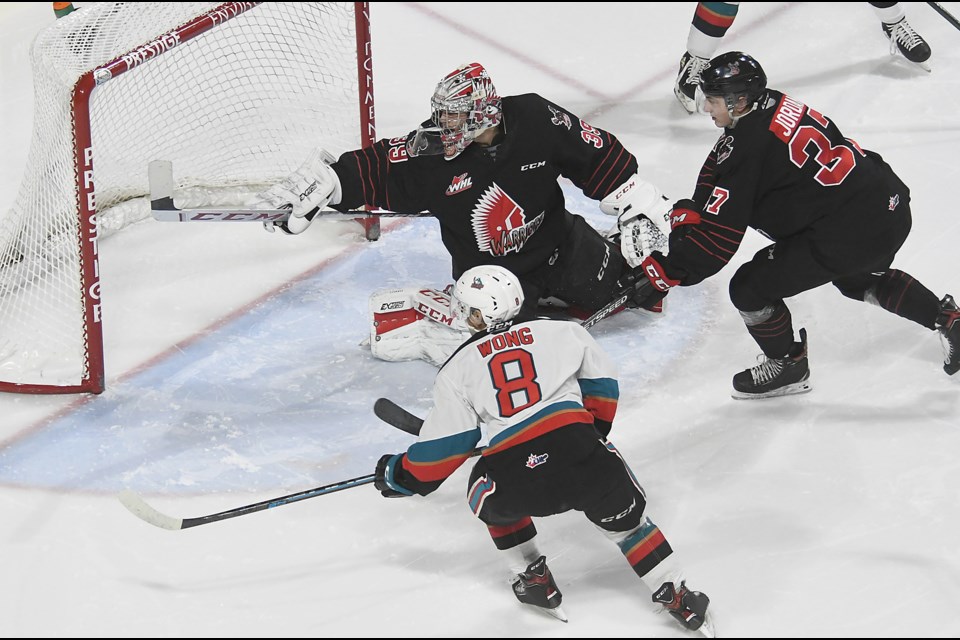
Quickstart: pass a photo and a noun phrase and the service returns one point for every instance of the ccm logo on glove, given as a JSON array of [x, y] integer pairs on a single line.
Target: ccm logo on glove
[[684, 212], [656, 275]]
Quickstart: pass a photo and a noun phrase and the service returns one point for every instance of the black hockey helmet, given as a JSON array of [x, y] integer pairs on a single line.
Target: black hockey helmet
[[732, 75]]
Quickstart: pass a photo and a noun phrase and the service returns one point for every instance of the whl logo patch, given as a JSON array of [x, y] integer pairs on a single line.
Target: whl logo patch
[[460, 183], [535, 459], [500, 225]]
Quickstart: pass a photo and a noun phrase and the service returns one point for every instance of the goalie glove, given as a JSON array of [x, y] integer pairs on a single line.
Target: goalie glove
[[639, 238], [642, 212], [634, 198], [305, 191]]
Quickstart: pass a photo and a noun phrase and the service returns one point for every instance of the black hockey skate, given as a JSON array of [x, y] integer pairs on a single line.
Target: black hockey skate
[[688, 78], [689, 608], [776, 376], [536, 587], [948, 325], [908, 42]]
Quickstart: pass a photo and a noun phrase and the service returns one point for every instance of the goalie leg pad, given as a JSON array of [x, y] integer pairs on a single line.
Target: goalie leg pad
[[412, 324]]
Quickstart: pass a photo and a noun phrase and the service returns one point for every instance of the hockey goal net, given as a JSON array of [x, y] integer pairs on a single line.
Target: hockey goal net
[[235, 94]]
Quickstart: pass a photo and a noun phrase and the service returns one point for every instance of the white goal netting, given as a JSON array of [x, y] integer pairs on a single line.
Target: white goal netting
[[234, 94]]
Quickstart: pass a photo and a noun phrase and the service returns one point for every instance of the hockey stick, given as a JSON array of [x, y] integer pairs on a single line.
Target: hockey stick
[[946, 14], [138, 507], [651, 238], [396, 416], [160, 175], [387, 410], [610, 308]]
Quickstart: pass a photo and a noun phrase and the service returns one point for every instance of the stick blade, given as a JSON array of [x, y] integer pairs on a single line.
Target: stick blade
[[138, 507], [396, 416]]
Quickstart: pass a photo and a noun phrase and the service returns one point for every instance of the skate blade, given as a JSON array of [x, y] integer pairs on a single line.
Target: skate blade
[[690, 106], [557, 612], [791, 389], [708, 629], [925, 65]]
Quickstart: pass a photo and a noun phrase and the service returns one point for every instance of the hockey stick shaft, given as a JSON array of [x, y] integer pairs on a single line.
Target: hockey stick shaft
[[946, 14], [139, 507], [610, 308]]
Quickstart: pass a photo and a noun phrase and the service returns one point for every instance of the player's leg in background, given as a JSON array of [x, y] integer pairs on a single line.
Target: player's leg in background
[[903, 38], [710, 23]]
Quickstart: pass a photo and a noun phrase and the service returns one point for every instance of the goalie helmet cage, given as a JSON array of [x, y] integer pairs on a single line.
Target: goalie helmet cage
[[235, 94]]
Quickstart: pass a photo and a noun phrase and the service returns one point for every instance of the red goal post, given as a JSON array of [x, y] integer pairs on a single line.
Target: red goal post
[[235, 94]]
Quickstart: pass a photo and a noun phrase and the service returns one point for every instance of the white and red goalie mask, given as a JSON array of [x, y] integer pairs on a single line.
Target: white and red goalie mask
[[464, 104]]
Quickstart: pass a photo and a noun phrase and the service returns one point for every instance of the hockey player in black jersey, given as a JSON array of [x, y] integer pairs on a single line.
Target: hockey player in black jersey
[[486, 167], [837, 214]]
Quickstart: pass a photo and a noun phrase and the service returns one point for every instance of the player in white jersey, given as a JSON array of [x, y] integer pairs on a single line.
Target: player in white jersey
[[547, 394]]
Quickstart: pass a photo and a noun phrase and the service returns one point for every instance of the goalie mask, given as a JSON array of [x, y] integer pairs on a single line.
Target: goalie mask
[[486, 297], [464, 104]]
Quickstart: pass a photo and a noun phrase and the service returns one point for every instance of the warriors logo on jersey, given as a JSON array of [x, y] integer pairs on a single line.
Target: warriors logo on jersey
[[724, 148], [500, 224], [560, 118]]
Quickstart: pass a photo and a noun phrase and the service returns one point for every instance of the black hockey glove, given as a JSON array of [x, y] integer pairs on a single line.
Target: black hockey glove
[[650, 282], [385, 477]]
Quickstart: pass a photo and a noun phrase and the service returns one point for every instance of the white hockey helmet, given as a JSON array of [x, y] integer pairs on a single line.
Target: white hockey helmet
[[492, 291]]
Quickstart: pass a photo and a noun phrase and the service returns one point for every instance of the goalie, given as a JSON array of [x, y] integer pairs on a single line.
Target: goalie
[[486, 168]]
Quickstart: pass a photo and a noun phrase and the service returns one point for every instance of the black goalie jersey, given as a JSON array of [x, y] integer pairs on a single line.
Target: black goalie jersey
[[502, 205]]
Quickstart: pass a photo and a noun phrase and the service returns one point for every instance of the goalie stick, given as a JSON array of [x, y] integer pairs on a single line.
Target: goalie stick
[[160, 175], [139, 507]]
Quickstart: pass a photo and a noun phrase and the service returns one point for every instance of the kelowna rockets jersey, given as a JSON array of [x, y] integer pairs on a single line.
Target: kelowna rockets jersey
[[504, 208], [782, 170], [534, 377]]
